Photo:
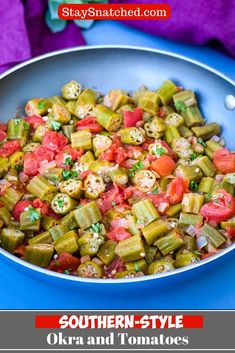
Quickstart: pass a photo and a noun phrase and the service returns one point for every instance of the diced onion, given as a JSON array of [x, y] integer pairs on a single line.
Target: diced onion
[[45, 165], [201, 242], [219, 178], [120, 222], [191, 230], [215, 138], [162, 206], [23, 177]]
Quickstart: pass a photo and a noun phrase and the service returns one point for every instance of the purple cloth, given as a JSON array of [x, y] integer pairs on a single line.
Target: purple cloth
[[24, 34], [192, 21]]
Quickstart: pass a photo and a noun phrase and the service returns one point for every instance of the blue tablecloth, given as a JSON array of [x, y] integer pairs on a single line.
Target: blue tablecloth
[[213, 288]]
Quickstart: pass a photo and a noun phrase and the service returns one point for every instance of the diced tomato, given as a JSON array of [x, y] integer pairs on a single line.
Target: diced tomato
[[176, 190], [65, 261], [3, 127], [146, 143], [37, 203], [164, 165], [224, 161], [159, 198], [116, 266], [32, 160], [20, 250], [34, 121], [3, 135], [114, 195], [209, 254], [89, 123], [135, 152], [54, 141], [231, 232], [43, 153], [116, 153], [131, 118], [220, 209], [84, 175], [118, 234], [60, 157], [19, 208], [9, 147], [162, 112]]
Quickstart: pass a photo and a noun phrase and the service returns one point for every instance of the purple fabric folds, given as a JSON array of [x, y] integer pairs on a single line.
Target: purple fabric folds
[[24, 34], [192, 21]]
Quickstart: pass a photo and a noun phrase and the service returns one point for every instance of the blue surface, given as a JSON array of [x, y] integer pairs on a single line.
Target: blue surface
[[212, 288]]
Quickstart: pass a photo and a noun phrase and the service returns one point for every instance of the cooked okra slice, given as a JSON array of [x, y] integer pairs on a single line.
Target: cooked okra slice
[[63, 204], [10, 198], [107, 118], [37, 106], [205, 165], [87, 157], [67, 243], [137, 266], [48, 222], [166, 92], [81, 139], [154, 230], [85, 103], [207, 131], [4, 166], [58, 113], [71, 90], [182, 147], [206, 185], [190, 244], [213, 235], [40, 133], [130, 249], [69, 221], [155, 128], [170, 242], [160, 266], [58, 230], [39, 254], [174, 119], [68, 130], [11, 238], [192, 203], [93, 186], [106, 252], [185, 259], [18, 129], [173, 210], [145, 212], [171, 134], [128, 274], [118, 175], [185, 131], [87, 215], [190, 172], [54, 175], [132, 136], [148, 101], [40, 187], [100, 144], [42, 238], [16, 160], [89, 243], [117, 98], [145, 180], [187, 219], [30, 219], [90, 269], [5, 215], [72, 187], [184, 99], [151, 252], [133, 227]]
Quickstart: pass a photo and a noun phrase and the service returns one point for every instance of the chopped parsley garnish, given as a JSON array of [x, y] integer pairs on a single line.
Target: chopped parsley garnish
[[19, 167], [180, 106], [209, 194], [60, 203], [95, 228], [193, 185], [155, 191], [68, 161], [136, 267], [137, 166], [34, 215], [114, 204], [41, 105], [159, 151], [201, 142], [67, 272], [193, 156], [70, 174], [55, 125]]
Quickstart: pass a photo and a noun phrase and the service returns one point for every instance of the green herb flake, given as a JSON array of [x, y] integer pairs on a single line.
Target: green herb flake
[[95, 228], [55, 125], [155, 191], [34, 215], [193, 156], [180, 106], [67, 272], [68, 161], [193, 185], [159, 151], [60, 203], [136, 267], [67, 174], [114, 204], [137, 166], [41, 105], [201, 142], [209, 195], [19, 167]]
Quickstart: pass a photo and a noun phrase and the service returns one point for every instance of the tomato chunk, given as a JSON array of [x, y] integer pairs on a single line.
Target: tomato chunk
[[65, 261], [19, 208], [9, 147], [220, 209], [164, 165], [118, 234], [224, 161], [131, 118], [32, 160], [116, 266], [176, 190], [54, 141], [3, 135], [34, 121]]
